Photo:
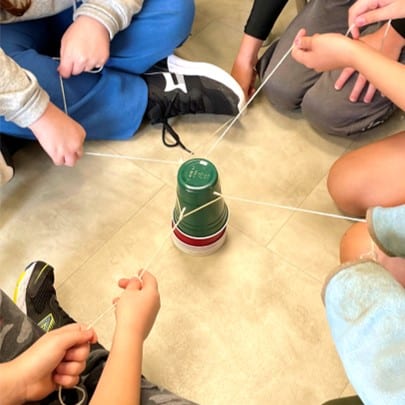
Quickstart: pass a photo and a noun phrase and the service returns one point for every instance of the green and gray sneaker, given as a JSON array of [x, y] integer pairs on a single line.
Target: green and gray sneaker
[[35, 295]]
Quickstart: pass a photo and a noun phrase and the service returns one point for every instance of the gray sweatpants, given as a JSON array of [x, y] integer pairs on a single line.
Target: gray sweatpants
[[18, 332], [294, 86]]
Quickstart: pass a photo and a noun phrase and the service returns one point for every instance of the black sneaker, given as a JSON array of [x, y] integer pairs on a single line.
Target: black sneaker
[[179, 87], [6, 162], [35, 295]]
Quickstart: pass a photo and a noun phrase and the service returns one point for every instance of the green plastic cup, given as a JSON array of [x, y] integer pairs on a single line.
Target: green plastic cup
[[197, 180]]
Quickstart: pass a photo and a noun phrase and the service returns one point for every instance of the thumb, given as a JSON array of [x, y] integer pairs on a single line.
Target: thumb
[[75, 334]]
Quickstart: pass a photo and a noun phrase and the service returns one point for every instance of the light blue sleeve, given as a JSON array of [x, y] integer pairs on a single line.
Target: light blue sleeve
[[365, 308], [387, 228]]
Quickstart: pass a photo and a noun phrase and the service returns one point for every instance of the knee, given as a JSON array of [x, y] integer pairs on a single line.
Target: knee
[[348, 188], [181, 20], [280, 97], [356, 244], [322, 113]]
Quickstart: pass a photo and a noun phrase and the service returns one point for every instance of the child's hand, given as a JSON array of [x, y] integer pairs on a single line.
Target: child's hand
[[245, 75], [321, 52], [138, 305], [57, 358], [393, 44], [60, 136], [365, 12], [84, 46]]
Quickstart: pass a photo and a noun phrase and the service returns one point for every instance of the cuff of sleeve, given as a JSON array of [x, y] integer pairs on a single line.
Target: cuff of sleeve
[[103, 16], [32, 110], [336, 271], [373, 233]]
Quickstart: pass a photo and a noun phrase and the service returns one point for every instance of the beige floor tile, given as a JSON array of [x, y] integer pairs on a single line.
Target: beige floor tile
[[245, 325], [310, 241], [61, 215]]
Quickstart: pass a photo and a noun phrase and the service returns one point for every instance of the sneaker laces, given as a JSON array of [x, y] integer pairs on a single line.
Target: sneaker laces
[[169, 130]]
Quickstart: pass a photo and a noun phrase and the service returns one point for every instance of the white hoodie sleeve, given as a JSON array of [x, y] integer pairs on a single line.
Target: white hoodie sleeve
[[22, 100], [115, 15]]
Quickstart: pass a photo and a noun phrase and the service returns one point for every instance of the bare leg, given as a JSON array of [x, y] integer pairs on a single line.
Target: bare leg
[[369, 176], [357, 244]]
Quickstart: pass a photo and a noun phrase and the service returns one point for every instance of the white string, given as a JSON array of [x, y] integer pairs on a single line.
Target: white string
[[174, 227], [220, 196], [387, 28], [287, 207], [202, 207], [115, 156], [248, 102], [145, 268], [80, 389], [62, 87], [263, 84]]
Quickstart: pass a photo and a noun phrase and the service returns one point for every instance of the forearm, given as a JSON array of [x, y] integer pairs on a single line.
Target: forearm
[[22, 100], [120, 381], [387, 75], [262, 17], [249, 49], [10, 391]]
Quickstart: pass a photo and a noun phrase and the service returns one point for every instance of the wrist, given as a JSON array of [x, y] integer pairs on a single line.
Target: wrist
[[128, 332], [249, 50]]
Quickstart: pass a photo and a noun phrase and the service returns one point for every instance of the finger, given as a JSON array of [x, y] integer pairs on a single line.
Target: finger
[[66, 381], [74, 334], [79, 66], [371, 90], [123, 282], [72, 368], [79, 153], [304, 43], [65, 68], [149, 281], [343, 78], [298, 38], [78, 353], [357, 88], [70, 160], [358, 9], [372, 16], [134, 284]]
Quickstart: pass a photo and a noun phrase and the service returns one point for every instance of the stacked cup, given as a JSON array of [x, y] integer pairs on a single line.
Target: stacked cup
[[203, 231]]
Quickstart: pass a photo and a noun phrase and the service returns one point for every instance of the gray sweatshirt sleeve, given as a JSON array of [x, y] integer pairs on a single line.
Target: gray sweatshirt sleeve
[[115, 15], [22, 100]]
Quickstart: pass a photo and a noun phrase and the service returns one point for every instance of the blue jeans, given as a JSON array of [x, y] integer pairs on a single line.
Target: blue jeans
[[111, 104]]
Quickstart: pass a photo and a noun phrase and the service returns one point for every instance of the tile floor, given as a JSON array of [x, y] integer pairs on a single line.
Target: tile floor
[[243, 326]]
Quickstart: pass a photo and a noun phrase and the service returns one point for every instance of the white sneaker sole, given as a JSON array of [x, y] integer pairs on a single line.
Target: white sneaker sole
[[188, 68], [6, 171]]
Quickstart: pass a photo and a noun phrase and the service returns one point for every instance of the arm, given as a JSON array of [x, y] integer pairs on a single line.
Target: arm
[[389, 43], [57, 358], [262, 17], [136, 312], [243, 69], [333, 51], [26, 104]]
